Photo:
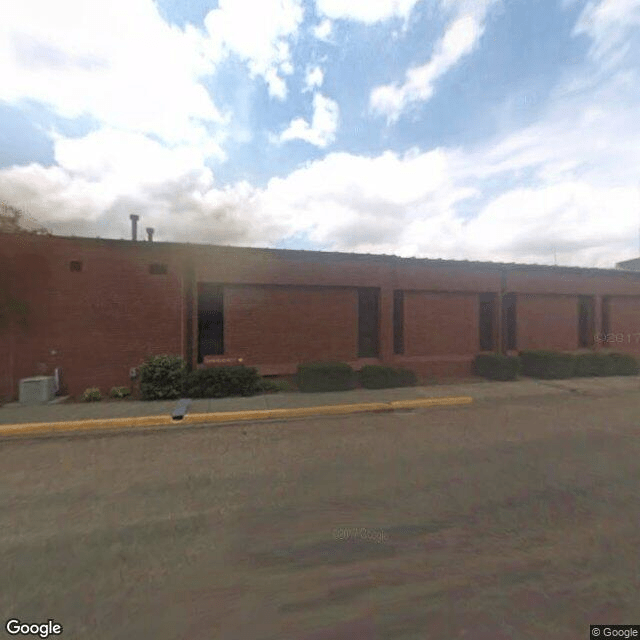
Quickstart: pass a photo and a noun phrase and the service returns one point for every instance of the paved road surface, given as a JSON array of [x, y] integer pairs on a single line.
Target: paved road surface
[[504, 519]]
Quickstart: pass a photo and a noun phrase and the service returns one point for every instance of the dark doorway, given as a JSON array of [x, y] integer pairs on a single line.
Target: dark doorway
[[509, 333], [368, 301], [606, 317], [586, 325], [486, 321], [398, 322], [190, 286], [210, 321]]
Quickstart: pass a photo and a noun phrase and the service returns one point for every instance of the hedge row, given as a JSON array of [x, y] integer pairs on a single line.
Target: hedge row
[[325, 376], [222, 382], [166, 378], [497, 367], [380, 377], [548, 365], [554, 365], [602, 364], [339, 376]]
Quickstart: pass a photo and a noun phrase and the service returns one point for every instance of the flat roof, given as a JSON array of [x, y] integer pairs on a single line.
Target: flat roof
[[628, 263], [303, 254]]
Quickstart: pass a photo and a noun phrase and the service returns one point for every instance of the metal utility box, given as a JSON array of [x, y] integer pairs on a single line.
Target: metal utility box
[[38, 390]]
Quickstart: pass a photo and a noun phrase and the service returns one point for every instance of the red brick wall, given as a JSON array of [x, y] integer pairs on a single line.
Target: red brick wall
[[299, 268], [547, 322], [99, 322], [106, 319], [272, 325], [539, 281], [625, 324], [412, 275], [438, 367], [438, 324]]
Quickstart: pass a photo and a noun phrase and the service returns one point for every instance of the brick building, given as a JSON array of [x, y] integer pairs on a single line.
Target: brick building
[[99, 307]]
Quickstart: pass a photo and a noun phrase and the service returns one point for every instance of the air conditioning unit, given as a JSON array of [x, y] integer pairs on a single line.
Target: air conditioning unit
[[38, 390]]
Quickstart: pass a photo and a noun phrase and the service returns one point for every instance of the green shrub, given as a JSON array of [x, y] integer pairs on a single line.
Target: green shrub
[[590, 364], [548, 365], [606, 364], [496, 367], [92, 394], [222, 382], [596, 364], [375, 376], [623, 364], [325, 376], [407, 377], [120, 392], [274, 386], [162, 378]]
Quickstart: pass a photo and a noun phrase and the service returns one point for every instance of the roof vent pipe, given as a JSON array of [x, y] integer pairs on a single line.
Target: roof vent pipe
[[134, 226], [150, 234]]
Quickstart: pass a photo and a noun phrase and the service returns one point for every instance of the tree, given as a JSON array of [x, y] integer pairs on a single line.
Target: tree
[[10, 218], [11, 307]]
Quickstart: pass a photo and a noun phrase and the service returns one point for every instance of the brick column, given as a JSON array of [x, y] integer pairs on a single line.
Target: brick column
[[190, 318], [387, 282], [386, 323], [500, 310]]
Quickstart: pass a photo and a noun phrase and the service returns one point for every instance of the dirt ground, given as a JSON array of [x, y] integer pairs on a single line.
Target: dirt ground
[[503, 519]]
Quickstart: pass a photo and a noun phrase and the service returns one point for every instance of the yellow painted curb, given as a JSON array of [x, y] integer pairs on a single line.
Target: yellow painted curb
[[227, 416], [431, 402], [298, 412], [79, 425]]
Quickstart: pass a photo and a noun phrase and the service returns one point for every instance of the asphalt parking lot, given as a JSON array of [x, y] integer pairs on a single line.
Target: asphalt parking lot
[[509, 518]]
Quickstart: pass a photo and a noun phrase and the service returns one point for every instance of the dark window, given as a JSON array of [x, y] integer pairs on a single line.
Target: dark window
[[509, 334], [606, 316], [210, 321], [189, 301], [585, 321], [75, 265], [486, 321], [158, 269], [368, 323], [398, 322]]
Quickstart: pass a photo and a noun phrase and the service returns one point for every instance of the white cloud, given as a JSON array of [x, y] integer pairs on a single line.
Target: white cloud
[[313, 78], [258, 31], [103, 177], [124, 66], [127, 160], [367, 11], [609, 23], [322, 30], [567, 183], [96, 171], [459, 40], [574, 190], [119, 63], [571, 218], [324, 124], [355, 203]]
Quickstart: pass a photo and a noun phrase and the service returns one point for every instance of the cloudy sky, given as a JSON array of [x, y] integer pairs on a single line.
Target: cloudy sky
[[466, 129]]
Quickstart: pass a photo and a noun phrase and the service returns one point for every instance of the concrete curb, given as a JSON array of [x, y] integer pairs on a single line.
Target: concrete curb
[[39, 428]]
